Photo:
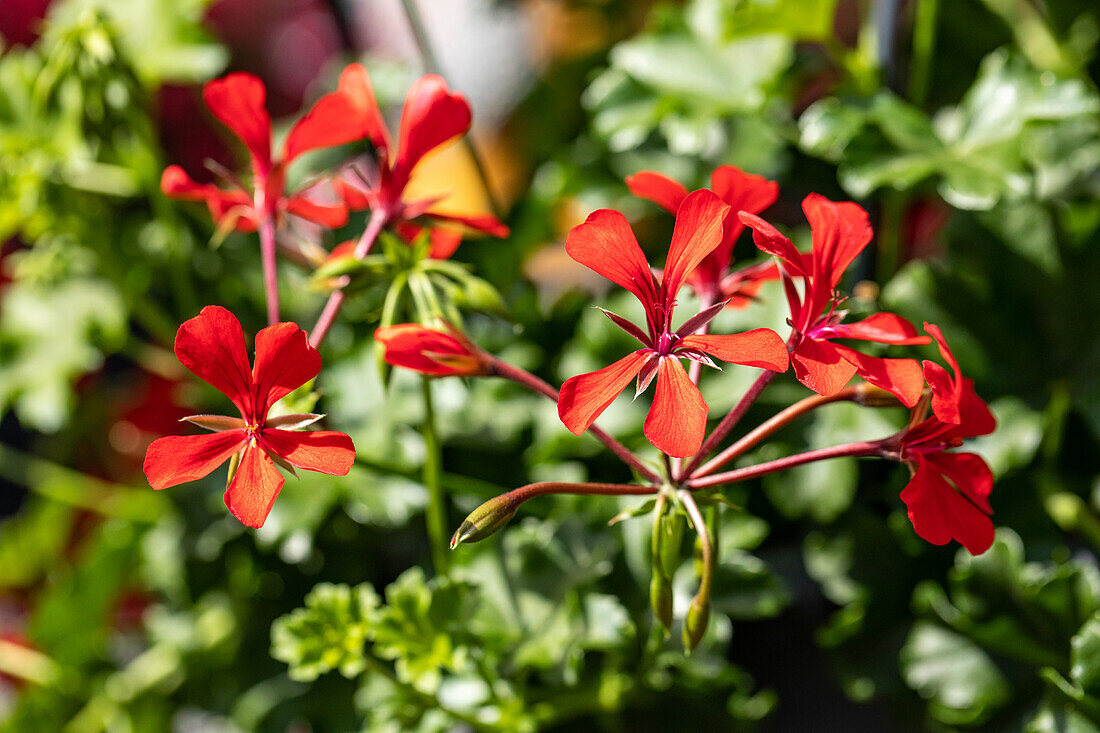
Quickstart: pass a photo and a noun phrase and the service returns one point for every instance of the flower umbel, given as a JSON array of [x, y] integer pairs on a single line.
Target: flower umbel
[[212, 346], [677, 420]]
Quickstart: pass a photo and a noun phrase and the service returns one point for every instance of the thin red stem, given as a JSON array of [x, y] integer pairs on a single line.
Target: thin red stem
[[527, 379], [766, 428], [729, 422], [271, 276], [530, 491], [866, 448], [335, 301]]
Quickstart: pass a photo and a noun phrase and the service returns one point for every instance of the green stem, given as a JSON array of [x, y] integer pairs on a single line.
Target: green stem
[[889, 234], [436, 515], [924, 42]]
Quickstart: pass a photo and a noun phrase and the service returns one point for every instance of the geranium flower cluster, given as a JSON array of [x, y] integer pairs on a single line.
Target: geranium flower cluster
[[947, 496]]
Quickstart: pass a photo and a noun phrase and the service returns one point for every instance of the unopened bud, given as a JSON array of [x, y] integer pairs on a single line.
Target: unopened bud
[[672, 533], [485, 520], [695, 623], [660, 598]]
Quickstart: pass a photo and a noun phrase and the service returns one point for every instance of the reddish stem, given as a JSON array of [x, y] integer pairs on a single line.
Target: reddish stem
[[336, 300], [527, 379], [776, 422], [866, 448], [729, 422], [530, 491], [271, 275]]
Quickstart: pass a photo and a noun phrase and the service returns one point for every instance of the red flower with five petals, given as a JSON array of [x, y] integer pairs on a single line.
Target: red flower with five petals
[[238, 101], [677, 420], [712, 279], [432, 116], [212, 346], [840, 232], [948, 495]]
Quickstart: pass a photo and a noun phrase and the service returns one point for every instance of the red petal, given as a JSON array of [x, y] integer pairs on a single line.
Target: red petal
[[974, 416], [840, 232], [325, 451], [584, 397], [212, 346], [969, 473], [661, 190], [419, 348], [820, 366], [346, 115], [677, 420], [945, 399], [605, 244], [177, 459], [901, 377], [742, 192], [700, 222], [175, 183], [284, 362], [238, 101], [885, 328], [760, 347], [768, 240], [444, 242], [482, 223], [330, 216], [355, 85], [254, 487], [354, 196], [432, 115], [939, 513]]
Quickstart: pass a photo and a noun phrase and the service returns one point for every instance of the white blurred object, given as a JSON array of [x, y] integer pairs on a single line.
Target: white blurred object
[[484, 48]]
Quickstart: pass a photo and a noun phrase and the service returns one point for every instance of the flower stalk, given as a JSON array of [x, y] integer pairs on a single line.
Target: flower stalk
[[436, 514]]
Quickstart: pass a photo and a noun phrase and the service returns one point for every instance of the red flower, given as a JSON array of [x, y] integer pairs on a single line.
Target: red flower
[[840, 232], [238, 101], [212, 346], [430, 350], [432, 116], [677, 419], [948, 495], [712, 279]]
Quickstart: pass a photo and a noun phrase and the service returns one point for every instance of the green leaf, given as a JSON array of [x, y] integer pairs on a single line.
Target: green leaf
[[330, 632], [961, 683], [1085, 656], [48, 338]]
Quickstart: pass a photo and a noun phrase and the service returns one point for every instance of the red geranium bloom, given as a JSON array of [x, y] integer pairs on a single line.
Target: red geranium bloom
[[948, 496], [238, 101], [212, 346], [712, 279], [678, 417], [432, 116], [840, 232], [429, 350]]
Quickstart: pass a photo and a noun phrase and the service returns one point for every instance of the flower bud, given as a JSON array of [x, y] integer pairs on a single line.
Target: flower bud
[[660, 598], [695, 623], [485, 520], [672, 533], [431, 351]]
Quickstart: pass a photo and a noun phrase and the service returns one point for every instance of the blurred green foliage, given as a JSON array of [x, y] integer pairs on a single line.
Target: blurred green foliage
[[983, 186]]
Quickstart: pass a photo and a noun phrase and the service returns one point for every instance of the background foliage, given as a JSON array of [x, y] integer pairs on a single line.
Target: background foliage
[[969, 129]]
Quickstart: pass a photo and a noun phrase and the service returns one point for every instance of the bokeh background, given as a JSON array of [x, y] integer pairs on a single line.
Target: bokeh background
[[970, 129]]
